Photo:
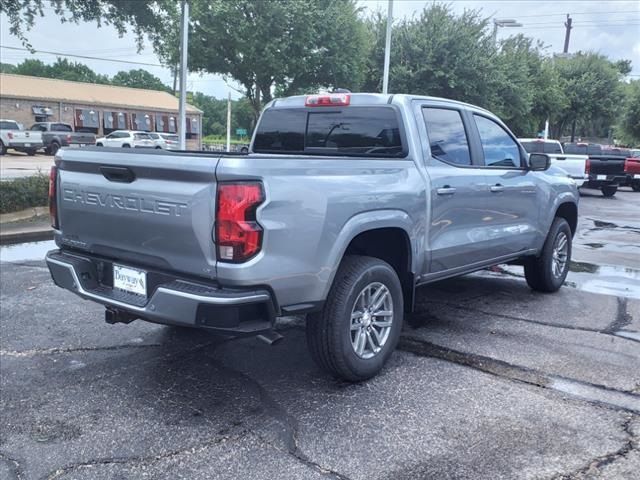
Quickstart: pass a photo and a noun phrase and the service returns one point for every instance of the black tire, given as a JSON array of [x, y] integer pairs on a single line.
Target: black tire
[[55, 146], [31, 152], [3, 149], [539, 271], [158, 148], [126, 145], [635, 186], [99, 144], [329, 334], [609, 191]]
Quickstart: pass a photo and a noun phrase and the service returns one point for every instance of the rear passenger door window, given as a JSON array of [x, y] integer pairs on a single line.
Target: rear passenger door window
[[500, 150], [447, 136]]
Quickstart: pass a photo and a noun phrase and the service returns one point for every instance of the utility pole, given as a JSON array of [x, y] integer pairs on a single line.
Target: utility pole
[[184, 45], [567, 34], [387, 49], [229, 123]]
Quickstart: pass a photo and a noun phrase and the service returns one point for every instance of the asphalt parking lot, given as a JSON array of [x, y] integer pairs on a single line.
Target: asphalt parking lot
[[491, 381], [17, 164]]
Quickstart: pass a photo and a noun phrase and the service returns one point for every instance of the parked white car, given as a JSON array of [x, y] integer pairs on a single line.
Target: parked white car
[[14, 136], [126, 139], [574, 165], [166, 141]]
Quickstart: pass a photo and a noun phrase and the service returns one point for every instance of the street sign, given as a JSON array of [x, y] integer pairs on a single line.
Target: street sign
[[241, 132]]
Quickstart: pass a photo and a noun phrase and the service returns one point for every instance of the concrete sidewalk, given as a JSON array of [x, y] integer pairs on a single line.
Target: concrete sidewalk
[[29, 230]]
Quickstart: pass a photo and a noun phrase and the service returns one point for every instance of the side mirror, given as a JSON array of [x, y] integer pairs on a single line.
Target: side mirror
[[539, 162]]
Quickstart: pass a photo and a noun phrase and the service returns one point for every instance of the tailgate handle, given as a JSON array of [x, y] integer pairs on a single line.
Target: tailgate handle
[[118, 174]]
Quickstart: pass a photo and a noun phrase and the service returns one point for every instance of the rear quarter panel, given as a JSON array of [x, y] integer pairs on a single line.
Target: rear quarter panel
[[314, 207]]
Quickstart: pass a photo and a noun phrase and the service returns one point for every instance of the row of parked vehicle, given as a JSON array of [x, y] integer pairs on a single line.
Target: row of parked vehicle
[[591, 165], [51, 136]]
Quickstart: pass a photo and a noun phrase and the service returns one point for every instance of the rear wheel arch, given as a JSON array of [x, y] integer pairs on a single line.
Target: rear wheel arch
[[392, 245]]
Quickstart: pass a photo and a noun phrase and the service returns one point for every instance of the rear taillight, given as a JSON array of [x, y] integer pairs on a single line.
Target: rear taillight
[[68, 138], [329, 100], [53, 197], [238, 234], [10, 135], [587, 167]]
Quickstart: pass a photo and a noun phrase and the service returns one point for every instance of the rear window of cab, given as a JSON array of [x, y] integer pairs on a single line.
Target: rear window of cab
[[348, 131]]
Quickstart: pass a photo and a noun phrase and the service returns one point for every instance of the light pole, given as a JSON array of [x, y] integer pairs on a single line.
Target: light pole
[[182, 106], [387, 49], [503, 22]]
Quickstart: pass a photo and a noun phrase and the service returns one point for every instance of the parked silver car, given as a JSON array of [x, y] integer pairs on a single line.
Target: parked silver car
[[166, 141]]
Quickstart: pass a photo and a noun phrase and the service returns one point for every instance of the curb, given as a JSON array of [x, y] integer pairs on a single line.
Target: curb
[[23, 214], [22, 236]]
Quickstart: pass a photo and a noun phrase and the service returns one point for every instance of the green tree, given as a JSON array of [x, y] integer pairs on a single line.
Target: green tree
[[139, 78], [591, 85], [629, 124], [149, 17], [62, 69], [437, 53], [288, 46], [7, 68]]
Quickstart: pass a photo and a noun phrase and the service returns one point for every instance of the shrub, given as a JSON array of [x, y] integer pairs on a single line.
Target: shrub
[[25, 192]]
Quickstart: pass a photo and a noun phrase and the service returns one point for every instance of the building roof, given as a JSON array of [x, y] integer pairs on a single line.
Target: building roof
[[50, 89]]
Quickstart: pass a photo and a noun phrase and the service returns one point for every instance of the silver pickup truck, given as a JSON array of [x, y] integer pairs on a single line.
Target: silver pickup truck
[[344, 205]]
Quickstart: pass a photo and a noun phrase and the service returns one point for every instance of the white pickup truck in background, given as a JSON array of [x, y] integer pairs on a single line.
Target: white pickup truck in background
[[574, 165], [13, 136]]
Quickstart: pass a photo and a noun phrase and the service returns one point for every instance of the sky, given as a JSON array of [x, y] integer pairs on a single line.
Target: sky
[[608, 27]]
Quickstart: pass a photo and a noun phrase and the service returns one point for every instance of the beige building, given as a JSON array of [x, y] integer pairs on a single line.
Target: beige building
[[95, 108]]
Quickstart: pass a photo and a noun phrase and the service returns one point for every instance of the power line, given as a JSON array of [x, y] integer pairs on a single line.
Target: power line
[[600, 12], [88, 57]]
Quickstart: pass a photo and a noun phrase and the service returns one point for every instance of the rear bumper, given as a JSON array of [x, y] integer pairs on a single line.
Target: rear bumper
[[171, 300], [602, 180]]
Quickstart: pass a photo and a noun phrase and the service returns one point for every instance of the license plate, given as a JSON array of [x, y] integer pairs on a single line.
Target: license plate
[[601, 177], [130, 280], [27, 144]]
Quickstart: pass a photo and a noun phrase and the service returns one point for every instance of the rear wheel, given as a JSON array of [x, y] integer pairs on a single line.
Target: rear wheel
[[54, 148], [99, 144], [126, 145], [3, 149], [636, 186], [31, 152], [359, 326], [609, 191], [548, 272]]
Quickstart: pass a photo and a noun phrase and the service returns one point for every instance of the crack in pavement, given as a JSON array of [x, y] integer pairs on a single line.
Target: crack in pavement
[[623, 317], [284, 418], [605, 331], [592, 393], [57, 350], [594, 465], [145, 460], [14, 465]]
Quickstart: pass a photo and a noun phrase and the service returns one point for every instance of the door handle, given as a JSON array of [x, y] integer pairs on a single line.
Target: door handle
[[446, 190], [497, 188]]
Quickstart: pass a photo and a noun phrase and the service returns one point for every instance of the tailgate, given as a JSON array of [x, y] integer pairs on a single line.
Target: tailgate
[[606, 165], [139, 208], [83, 138]]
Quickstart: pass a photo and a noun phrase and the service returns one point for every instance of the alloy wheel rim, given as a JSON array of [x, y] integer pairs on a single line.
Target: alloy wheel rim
[[371, 320], [560, 255]]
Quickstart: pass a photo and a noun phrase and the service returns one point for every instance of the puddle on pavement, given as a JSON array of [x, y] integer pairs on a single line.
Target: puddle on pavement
[[589, 277], [24, 252]]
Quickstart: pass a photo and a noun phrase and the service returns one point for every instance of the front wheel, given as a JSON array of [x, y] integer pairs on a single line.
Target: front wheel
[[609, 191], [359, 326], [548, 272]]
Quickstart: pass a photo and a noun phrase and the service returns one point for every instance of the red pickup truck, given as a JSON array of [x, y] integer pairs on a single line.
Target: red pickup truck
[[632, 170]]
